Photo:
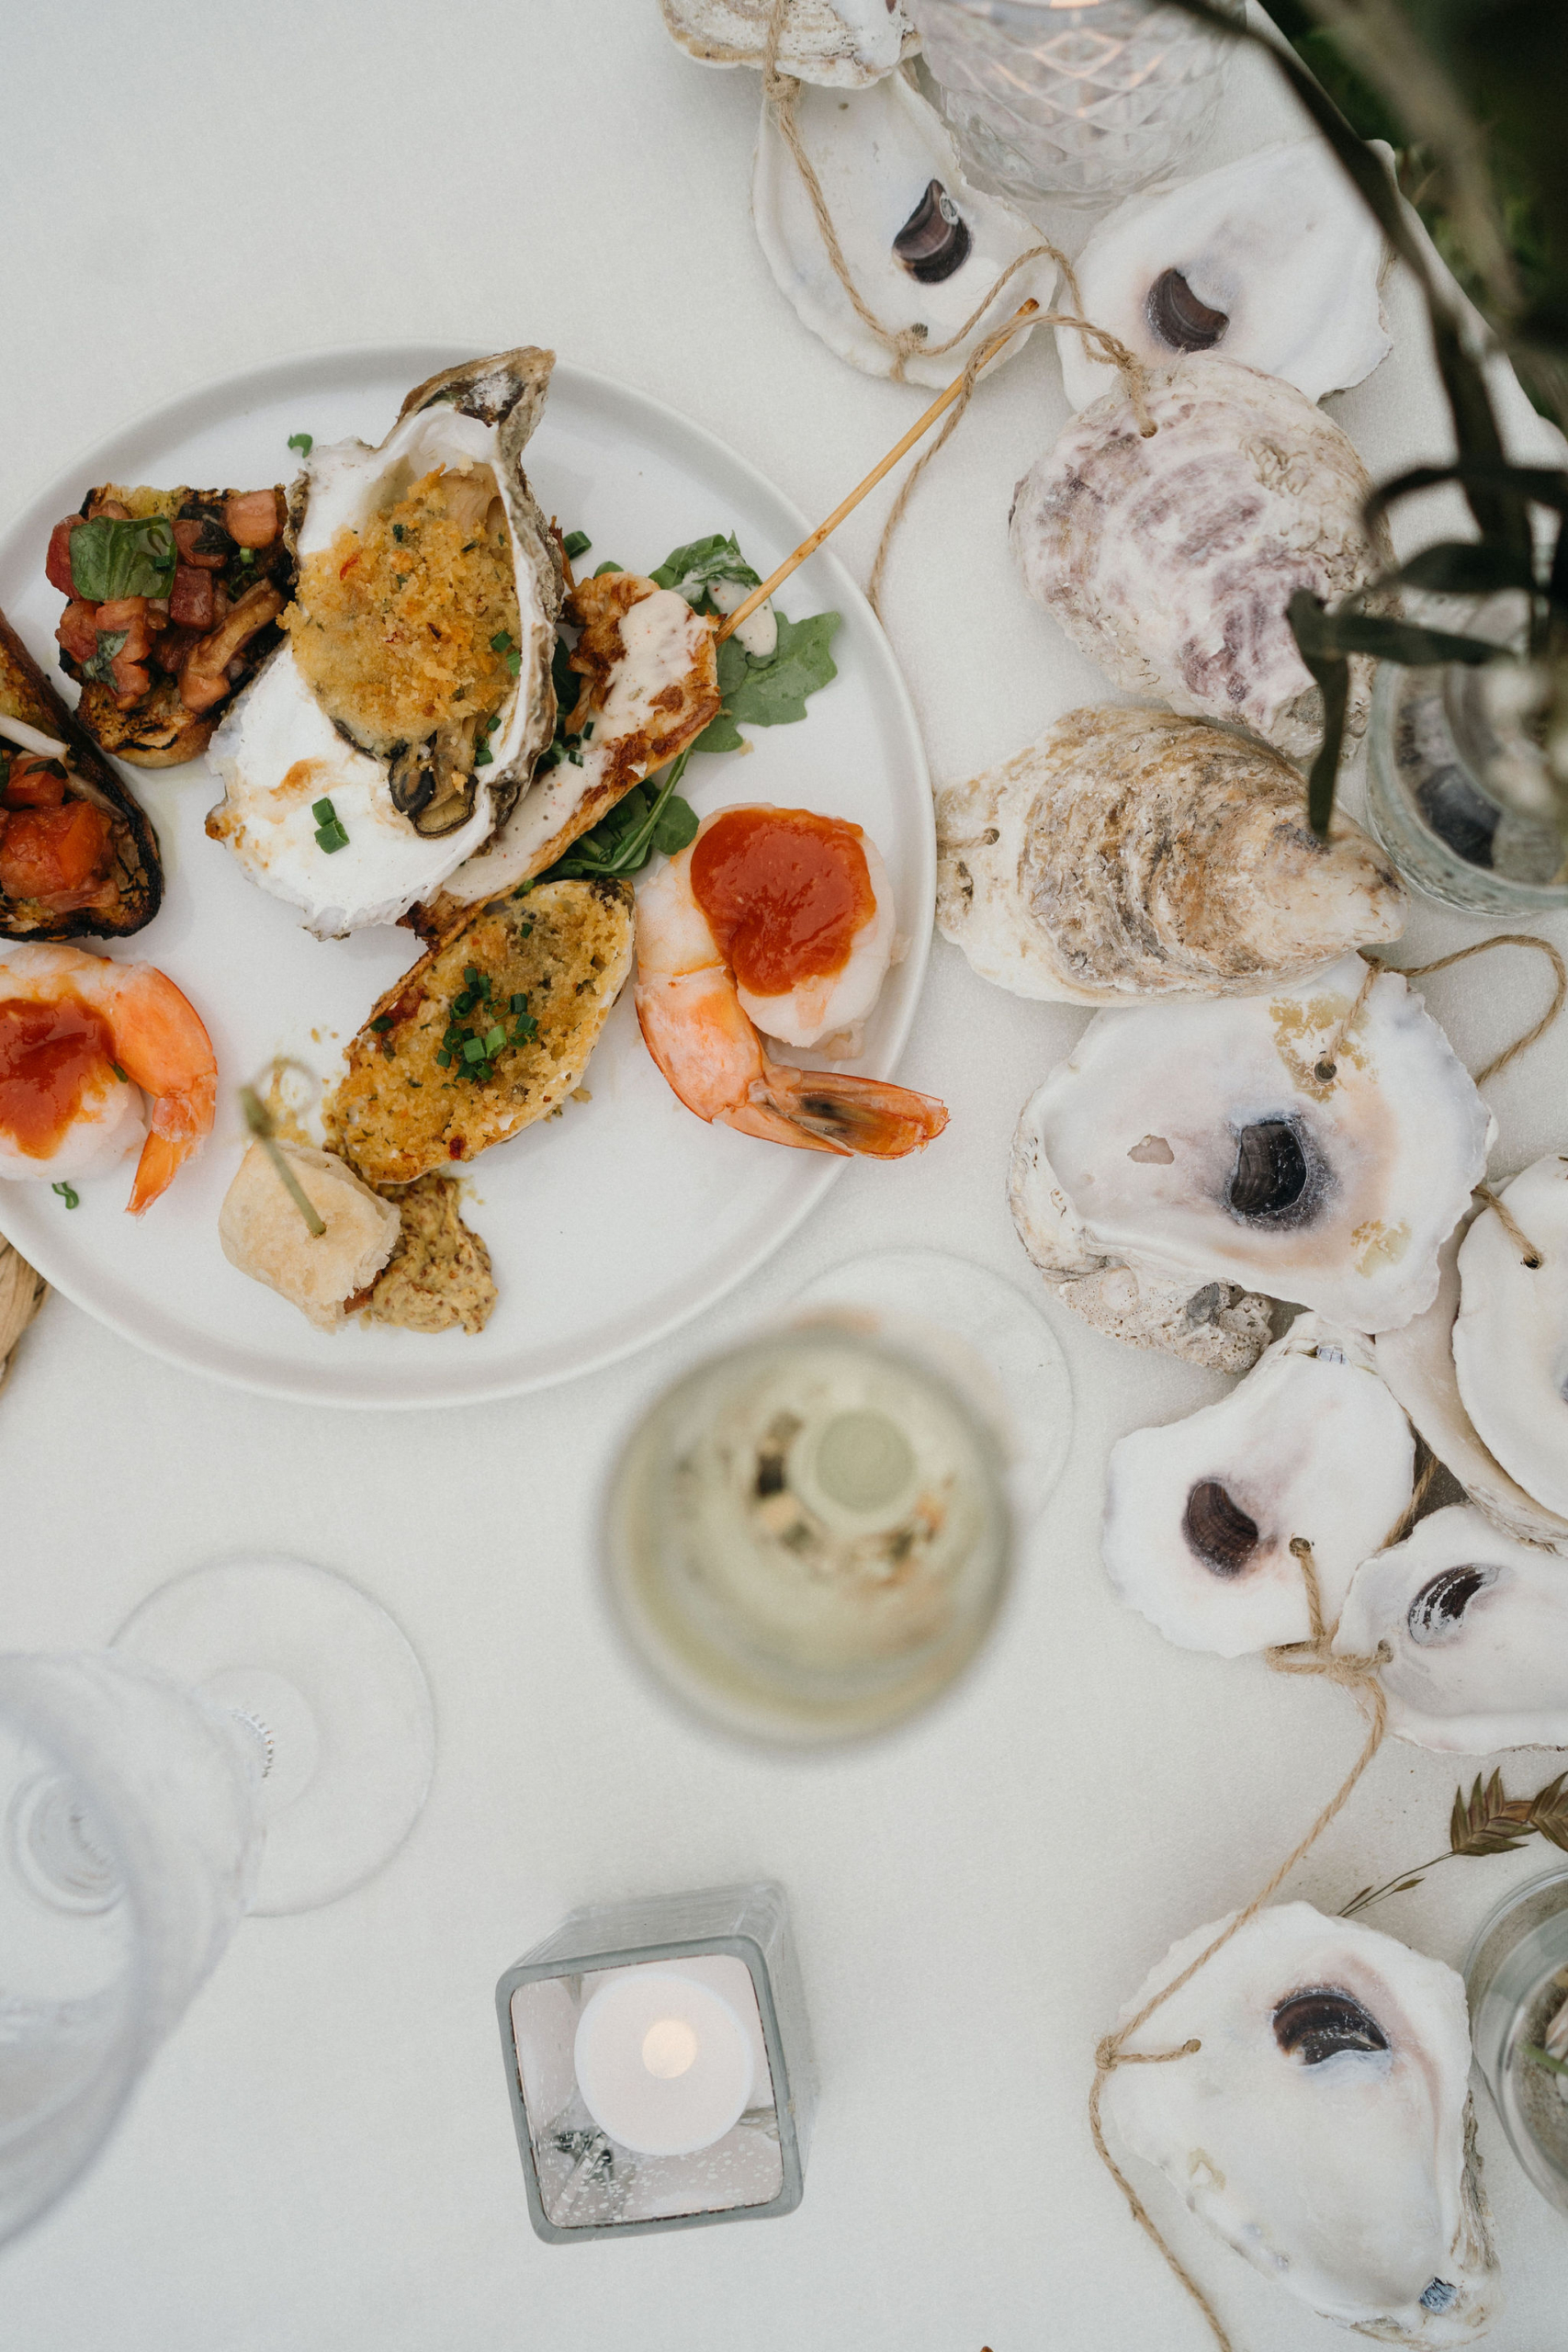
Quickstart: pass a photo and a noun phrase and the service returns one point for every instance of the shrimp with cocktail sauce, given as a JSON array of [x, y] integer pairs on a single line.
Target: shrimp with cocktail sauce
[[83, 1042], [775, 922]]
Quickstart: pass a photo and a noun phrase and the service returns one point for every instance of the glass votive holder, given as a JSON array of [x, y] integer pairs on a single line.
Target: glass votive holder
[[1516, 1978], [659, 2060], [808, 1537]]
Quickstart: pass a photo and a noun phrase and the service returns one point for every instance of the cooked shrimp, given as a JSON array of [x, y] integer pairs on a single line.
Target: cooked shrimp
[[762, 916], [78, 1036]]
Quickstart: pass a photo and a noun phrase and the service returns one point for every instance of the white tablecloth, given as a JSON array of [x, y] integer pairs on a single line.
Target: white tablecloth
[[323, 2156]]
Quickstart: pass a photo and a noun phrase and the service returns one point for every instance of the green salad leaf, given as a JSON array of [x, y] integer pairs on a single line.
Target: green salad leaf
[[692, 570], [771, 692], [110, 559]]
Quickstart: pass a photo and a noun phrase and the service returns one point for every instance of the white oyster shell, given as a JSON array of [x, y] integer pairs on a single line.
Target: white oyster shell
[[277, 751], [1277, 243], [1198, 1142], [842, 44], [1129, 854], [1478, 1625], [1199, 1515], [1417, 1363], [876, 156], [1171, 560], [1511, 1338], [1350, 2178]]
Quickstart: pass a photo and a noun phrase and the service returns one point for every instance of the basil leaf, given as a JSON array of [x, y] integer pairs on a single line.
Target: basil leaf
[[676, 827], [110, 559], [690, 569], [100, 667]]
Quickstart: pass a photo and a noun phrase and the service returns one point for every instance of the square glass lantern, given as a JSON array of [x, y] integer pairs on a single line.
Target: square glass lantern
[[658, 2062]]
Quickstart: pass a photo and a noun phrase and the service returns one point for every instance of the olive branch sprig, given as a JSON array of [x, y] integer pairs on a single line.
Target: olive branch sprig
[[1487, 1822]]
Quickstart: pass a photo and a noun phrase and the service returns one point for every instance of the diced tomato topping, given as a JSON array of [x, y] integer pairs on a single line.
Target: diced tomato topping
[[130, 614], [57, 566], [169, 649], [78, 630], [250, 516], [46, 852], [33, 783], [190, 600], [190, 532]]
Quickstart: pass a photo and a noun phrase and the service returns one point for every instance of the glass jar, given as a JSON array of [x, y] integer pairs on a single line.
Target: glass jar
[[1516, 1978], [808, 1537], [1428, 742], [1081, 100]]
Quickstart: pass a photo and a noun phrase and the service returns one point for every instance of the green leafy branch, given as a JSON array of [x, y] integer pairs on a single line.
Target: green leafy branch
[[1487, 1822]]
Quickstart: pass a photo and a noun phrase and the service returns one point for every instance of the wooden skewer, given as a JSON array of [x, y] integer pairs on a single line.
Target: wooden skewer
[[943, 401]]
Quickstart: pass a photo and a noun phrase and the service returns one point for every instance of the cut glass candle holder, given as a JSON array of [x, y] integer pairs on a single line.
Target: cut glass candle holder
[[673, 2020]]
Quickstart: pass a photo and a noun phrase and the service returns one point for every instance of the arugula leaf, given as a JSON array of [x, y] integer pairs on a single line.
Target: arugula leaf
[[771, 693], [622, 842], [675, 827], [110, 559], [691, 568]]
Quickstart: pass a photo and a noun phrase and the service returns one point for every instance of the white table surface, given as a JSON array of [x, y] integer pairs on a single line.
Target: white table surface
[[322, 2155]]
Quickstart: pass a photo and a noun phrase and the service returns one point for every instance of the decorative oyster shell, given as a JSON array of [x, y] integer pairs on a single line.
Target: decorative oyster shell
[[1198, 1142], [1172, 560], [842, 44], [879, 155], [1511, 1339], [1199, 1515], [278, 750], [1323, 2128], [1478, 1625], [1417, 1363], [1129, 854], [1273, 261]]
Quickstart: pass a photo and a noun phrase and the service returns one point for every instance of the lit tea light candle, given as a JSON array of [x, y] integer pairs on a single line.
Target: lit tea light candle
[[664, 2064]]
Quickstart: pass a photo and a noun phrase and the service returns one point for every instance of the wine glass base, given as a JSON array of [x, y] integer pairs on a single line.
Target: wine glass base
[[1027, 1389], [336, 1697]]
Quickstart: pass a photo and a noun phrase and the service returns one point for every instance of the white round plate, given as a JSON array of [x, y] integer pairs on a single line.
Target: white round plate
[[613, 1222]]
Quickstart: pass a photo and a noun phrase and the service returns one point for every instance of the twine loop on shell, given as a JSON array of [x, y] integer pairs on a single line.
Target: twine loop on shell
[[22, 1292]]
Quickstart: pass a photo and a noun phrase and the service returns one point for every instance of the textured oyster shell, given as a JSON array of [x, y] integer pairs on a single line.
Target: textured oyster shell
[[842, 44], [1311, 1444], [1417, 1363], [1354, 2181], [277, 732], [1511, 1338], [1129, 854], [1172, 560], [1478, 1625], [1279, 243], [875, 155], [1131, 1155]]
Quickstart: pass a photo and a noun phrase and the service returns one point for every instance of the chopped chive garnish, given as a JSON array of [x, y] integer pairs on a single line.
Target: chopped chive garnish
[[398, 533], [501, 643], [332, 838], [484, 757], [514, 663], [588, 730], [576, 758], [603, 568], [548, 757], [119, 1073], [494, 1040], [577, 543], [471, 974], [323, 812], [473, 1051], [69, 1194], [444, 1058], [303, 442], [523, 888], [519, 1003]]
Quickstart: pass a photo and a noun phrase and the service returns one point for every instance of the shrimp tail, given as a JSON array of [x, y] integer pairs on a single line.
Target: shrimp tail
[[863, 1115], [777, 1126], [180, 1121], [154, 1172]]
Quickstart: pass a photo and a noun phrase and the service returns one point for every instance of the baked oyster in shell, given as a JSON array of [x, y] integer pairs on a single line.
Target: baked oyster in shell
[[1323, 2127], [318, 722], [1477, 1623], [1511, 1336], [1316, 1144], [841, 44], [921, 244], [1131, 854], [1171, 560], [1199, 1515], [1272, 260]]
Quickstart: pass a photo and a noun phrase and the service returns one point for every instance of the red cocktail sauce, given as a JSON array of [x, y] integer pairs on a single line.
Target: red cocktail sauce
[[784, 893], [49, 1053]]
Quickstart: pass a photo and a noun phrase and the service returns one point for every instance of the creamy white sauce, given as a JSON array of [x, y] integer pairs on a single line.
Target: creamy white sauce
[[759, 632]]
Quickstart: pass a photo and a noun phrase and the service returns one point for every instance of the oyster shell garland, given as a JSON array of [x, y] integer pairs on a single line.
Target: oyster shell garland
[[1171, 560], [1510, 1339], [1132, 854], [921, 244], [1322, 2129], [1477, 1623], [1199, 1515], [1272, 260], [841, 44], [1318, 1145]]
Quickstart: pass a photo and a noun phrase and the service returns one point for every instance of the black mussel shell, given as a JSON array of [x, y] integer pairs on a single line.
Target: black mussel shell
[[1217, 1528], [1269, 1178], [1177, 317], [934, 241]]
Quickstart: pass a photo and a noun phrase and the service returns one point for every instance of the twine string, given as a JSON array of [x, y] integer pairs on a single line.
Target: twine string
[[22, 1292], [1360, 1677]]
